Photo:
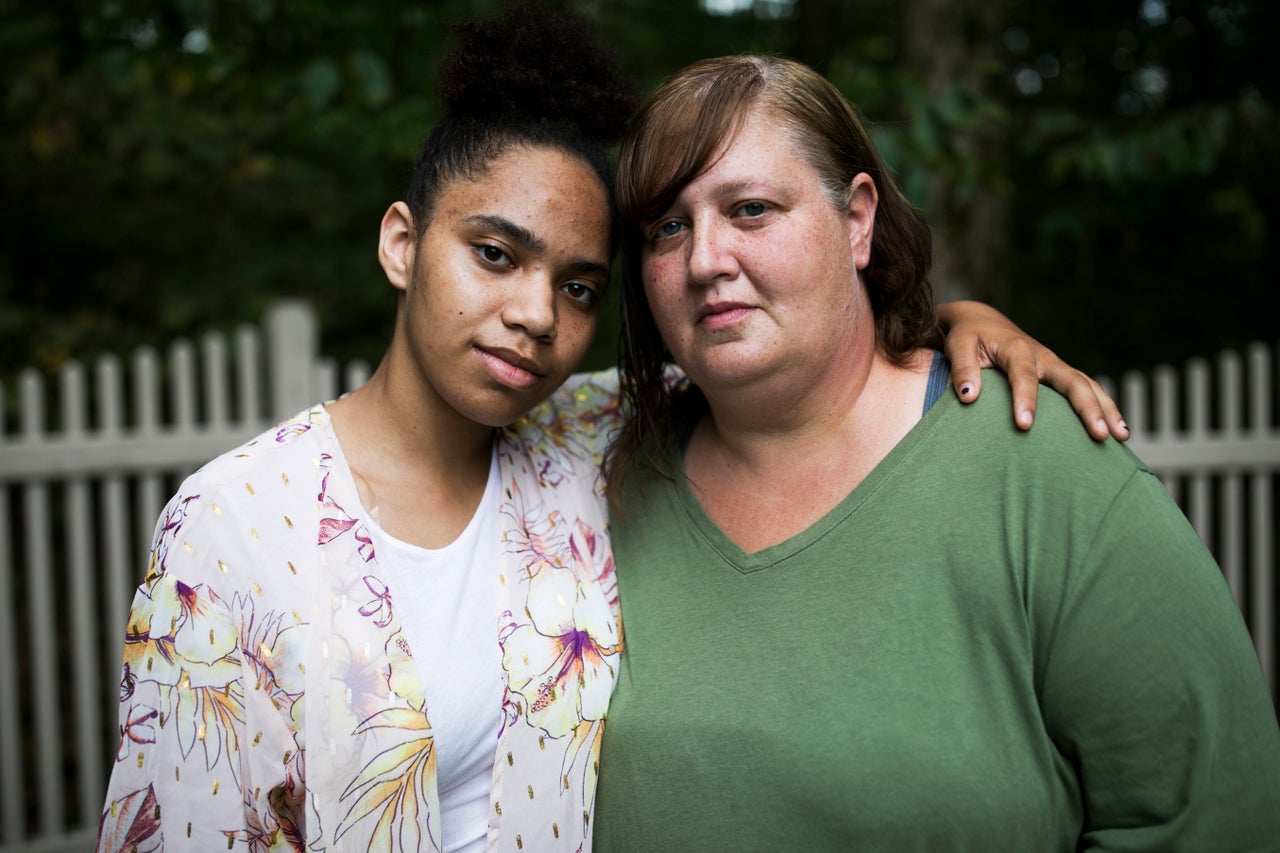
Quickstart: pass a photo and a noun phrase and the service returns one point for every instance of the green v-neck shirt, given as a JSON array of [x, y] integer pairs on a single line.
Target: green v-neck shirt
[[998, 641]]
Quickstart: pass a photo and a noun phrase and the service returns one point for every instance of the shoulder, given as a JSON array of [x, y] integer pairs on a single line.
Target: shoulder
[[261, 494], [1056, 444], [587, 395], [292, 444], [578, 418]]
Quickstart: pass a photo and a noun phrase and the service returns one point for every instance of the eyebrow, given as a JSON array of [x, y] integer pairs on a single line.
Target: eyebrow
[[745, 185], [532, 243], [510, 230]]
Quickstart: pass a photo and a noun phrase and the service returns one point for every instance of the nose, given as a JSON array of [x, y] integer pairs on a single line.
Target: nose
[[710, 253], [531, 306]]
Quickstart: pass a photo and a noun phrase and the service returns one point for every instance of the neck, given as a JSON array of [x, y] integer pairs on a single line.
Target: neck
[[419, 467], [763, 479], [839, 409], [411, 428]]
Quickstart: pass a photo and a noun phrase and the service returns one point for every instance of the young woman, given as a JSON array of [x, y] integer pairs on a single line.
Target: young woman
[[391, 623]]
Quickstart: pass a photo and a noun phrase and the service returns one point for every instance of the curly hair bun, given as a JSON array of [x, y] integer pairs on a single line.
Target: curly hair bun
[[537, 64]]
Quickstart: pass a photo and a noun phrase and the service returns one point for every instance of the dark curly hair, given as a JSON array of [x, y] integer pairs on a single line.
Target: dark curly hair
[[532, 76]]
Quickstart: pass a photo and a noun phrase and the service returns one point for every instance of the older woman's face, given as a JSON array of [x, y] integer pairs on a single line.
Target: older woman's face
[[752, 273]]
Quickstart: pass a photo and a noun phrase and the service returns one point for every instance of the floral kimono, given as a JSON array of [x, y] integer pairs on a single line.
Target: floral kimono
[[269, 698]]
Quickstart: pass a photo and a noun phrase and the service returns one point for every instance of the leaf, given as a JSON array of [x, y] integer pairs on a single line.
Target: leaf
[[373, 76], [393, 783], [320, 82], [135, 826]]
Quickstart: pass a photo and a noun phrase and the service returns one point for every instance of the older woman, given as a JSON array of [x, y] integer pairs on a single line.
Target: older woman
[[859, 614]]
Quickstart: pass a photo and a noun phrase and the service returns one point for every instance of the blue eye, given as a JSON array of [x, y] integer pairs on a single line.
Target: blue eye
[[579, 292], [752, 208], [668, 229]]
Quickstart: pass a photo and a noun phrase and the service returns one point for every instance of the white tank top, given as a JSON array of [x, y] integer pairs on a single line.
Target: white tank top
[[447, 601]]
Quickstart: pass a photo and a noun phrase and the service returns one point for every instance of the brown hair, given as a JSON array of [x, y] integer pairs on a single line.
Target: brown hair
[[678, 131]]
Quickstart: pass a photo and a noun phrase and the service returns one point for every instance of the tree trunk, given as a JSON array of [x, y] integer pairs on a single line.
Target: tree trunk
[[816, 26], [954, 44]]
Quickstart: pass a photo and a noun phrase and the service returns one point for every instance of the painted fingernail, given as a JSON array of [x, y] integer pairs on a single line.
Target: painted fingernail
[[966, 389]]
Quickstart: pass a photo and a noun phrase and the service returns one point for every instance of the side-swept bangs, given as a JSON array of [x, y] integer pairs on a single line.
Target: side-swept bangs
[[677, 134]]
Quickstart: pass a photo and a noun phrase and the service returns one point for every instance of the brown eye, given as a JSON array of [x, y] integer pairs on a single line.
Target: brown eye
[[493, 255], [579, 292]]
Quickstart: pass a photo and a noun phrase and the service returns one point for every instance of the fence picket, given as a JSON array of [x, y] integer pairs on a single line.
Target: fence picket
[[1199, 509], [213, 362], [291, 355], [357, 374], [41, 617], [182, 385], [146, 402], [325, 380], [1231, 519], [81, 590], [13, 818], [248, 378], [116, 540], [1263, 570], [1135, 403], [1166, 421]]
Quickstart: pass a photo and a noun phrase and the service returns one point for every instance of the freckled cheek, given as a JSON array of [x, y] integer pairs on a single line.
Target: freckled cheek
[[573, 340], [466, 302], [662, 280], [578, 332]]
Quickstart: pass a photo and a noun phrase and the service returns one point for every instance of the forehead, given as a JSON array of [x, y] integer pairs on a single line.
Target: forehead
[[557, 197], [761, 149]]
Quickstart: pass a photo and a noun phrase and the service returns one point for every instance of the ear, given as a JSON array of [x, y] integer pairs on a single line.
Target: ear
[[862, 218], [397, 243]]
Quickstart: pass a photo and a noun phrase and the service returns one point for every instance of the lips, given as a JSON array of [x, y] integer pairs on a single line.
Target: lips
[[510, 368], [718, 315]]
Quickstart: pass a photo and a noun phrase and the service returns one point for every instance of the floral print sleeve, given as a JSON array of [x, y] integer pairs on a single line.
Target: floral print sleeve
[[198, 696]]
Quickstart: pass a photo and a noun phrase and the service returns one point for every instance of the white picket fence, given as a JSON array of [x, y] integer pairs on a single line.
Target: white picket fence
[[79, 498], [80, 492]]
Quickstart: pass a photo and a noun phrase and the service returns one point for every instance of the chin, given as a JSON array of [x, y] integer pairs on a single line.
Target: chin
[[504, 411], [727, 372], [496, 419]]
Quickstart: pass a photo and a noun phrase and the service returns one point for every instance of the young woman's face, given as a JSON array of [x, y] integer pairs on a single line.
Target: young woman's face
[[506, 281]]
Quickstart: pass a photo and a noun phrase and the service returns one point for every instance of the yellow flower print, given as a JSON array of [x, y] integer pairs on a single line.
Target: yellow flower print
[[563, 663], [392, 786], [402, 672], [184, 638]]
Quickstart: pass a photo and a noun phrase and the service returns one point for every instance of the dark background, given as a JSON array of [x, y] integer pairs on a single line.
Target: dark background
[[1105, 171]]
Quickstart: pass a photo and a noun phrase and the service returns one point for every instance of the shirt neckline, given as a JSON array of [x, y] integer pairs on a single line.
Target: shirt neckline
[[774, 555]]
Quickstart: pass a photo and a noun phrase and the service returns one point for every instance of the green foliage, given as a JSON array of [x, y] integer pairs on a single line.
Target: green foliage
[[175, 164], [1146, 190]]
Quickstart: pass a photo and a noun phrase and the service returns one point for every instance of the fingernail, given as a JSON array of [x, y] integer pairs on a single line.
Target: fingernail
[[966, 390], [1025, 417], [1101, 424], [1124, 426]]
